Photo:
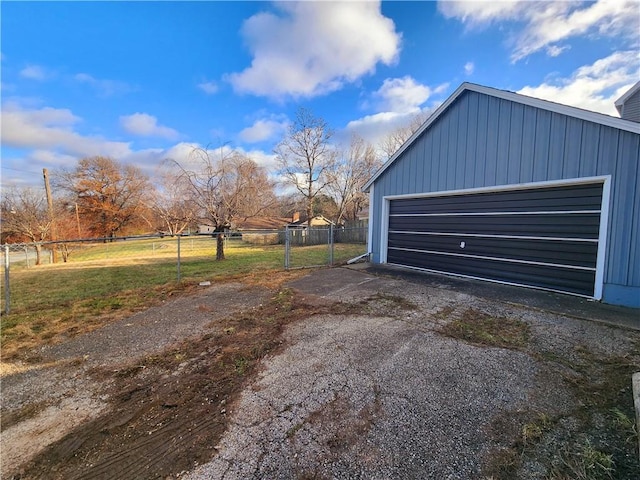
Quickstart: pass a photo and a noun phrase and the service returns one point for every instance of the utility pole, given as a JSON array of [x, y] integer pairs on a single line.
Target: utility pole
[[47, 188], [78, 221]]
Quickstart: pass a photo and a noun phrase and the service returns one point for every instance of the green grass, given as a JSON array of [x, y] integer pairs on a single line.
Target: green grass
[[103, 282]]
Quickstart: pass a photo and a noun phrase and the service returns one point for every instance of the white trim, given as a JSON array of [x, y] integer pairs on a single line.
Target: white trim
[[487, 214], [513, 284], [496, 259], [371, 221], [384, 231], [602, 238], [504, 188], [506, 237], [579, 113]]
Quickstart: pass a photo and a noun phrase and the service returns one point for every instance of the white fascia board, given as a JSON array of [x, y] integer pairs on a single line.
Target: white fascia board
[[579, 113], [502, 188]]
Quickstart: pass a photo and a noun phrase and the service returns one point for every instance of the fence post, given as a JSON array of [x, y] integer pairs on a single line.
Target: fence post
[[331, 244], [287, 245], [26, 255], [7, 289], [178, 258]]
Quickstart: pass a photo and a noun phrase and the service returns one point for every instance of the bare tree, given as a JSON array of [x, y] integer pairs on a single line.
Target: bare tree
[[25, 216], [395, 139], [109, 195], [355, 166], [223, 186], [171, 204], [306, 157]]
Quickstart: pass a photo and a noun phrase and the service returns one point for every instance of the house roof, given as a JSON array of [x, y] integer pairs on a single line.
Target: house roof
[[579, 113], [619, 102], [261, 223], [302, 223]]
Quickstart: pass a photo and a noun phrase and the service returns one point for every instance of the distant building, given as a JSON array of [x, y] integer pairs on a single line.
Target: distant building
[[317, 221]]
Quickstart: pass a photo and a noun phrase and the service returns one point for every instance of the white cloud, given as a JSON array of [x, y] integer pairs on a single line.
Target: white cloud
[[399, 102], [262, 158], [263, 129], [374, 128], [150, 159], [401, 95], [548, 23], [555, 50], [469, 67], [145, 125], [34, 72], [592, 87], [312, 48], [208, 87], [105, 87], [51, 129]]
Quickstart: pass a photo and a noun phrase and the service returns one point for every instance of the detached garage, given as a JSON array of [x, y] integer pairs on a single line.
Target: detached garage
[[507, 188]]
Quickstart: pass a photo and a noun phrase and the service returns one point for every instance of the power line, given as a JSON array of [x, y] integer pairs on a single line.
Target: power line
[[17, 170]]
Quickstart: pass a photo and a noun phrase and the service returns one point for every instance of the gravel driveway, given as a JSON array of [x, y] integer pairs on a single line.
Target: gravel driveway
[[388, 396]]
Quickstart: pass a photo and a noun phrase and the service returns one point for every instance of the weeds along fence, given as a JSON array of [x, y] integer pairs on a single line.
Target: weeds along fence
[[132, 263]]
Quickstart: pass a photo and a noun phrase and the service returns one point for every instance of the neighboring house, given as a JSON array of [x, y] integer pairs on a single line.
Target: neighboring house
[[317, 221], [628, 105], [261, 230], [513, 189], [206, 229], [260, 223], [250, 223]]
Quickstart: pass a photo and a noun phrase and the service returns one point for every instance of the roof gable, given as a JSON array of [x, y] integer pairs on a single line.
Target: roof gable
[[574, 112], [619, 102]]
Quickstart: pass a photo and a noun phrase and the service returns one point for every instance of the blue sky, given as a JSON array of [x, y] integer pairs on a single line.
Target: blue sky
[[145, 81]]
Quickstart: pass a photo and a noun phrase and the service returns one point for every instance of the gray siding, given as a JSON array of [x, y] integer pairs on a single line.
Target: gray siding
[[483, 141], [631, 108]]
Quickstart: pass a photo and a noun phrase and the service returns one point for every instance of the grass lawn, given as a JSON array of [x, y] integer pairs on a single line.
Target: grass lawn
[[105, 282]]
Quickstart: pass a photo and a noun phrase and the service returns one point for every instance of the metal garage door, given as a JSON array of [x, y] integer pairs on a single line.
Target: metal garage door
[[540, 237]]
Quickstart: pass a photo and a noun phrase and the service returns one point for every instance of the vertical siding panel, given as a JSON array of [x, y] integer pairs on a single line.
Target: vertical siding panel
[[556, 146], [410, 171], [515, 144], [435, 158], [620, 214], [528, 143], [492, 142], [606, 145], [472, 142], [461, 142], [504, 134], [452, 146], [588, 161], [540, 160], [420, 161], [573, 139], [444, 153], [481, 150], [630, 156], [428, 160]]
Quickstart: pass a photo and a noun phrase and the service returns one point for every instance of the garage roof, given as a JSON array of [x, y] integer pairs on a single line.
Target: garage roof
[[579, 113]]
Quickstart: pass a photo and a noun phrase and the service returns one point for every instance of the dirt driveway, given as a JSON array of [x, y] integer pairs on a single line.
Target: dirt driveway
[[376, 377]]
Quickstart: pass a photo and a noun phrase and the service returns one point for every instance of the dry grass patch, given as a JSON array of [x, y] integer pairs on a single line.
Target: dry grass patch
[[481, 329]]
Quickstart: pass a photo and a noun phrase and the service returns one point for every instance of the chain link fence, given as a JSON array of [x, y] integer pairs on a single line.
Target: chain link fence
[[156, 260]]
